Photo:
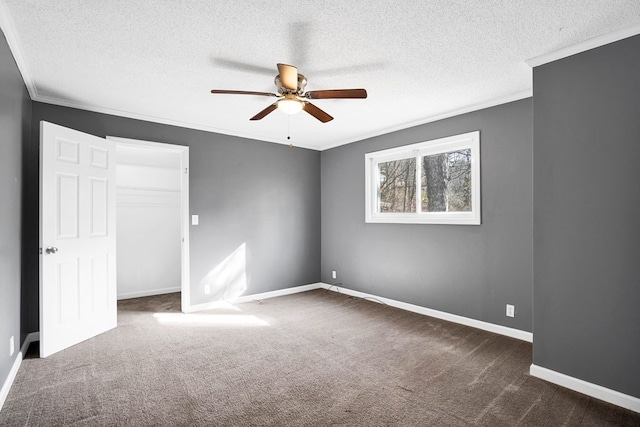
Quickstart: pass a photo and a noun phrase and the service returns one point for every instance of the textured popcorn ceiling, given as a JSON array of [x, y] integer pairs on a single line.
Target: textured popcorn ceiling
[[418, 60]]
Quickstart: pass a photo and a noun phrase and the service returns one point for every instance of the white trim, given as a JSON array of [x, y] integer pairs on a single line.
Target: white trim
[[183, 150], [583, 46], [6, 23], [254, 297], [469, 140], [498, 329], [6, 387], [491, 327], [278, 293], [31, 87], [150, 292], [457, 112], [584, 387], [161, 120], [30, 338], [4, 392]]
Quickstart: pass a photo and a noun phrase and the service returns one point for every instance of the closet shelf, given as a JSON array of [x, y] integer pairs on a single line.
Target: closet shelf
[[121, 188]]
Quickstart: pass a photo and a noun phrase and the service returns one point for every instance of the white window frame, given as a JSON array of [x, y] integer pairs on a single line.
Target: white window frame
[[469, 140]]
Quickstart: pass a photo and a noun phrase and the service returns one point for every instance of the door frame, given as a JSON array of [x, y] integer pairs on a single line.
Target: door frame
[[183, 151]]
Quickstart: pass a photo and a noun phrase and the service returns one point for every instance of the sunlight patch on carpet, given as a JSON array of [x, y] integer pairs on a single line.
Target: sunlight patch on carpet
[[209, 319]]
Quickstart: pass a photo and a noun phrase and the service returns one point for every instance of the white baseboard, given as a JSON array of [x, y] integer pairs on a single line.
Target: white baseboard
[[581, 386], [4, 392], [278, 293], [491, 327], [148, 293], [584, 387], [248, 298], [498, 329]]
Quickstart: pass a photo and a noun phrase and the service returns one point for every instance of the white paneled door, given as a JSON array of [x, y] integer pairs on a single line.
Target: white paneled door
[[77, 237]]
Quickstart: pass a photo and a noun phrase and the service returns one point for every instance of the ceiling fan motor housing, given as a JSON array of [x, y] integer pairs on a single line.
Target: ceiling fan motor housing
[[302, 82]]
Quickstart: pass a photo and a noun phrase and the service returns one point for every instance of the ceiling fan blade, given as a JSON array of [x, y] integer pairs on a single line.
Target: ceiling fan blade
[[316, 112], [288, 76], [241, 92], [264, 112], [336, 93]]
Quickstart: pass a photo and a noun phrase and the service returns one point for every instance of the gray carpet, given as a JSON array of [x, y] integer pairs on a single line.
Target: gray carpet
[[312, 359]]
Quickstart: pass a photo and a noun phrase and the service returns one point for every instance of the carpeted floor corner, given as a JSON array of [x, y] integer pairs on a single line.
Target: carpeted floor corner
[[311, 359]]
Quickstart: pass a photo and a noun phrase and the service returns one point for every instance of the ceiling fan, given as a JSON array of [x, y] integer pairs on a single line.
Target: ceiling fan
[[291, 95]]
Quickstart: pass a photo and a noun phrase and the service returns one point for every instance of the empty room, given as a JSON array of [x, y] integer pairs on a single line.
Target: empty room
[[319, 213]]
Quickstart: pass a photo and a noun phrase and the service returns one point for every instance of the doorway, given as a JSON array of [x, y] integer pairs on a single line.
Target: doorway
[[152, 211]]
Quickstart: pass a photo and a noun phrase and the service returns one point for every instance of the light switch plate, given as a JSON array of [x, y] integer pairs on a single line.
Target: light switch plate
[[195, 219]]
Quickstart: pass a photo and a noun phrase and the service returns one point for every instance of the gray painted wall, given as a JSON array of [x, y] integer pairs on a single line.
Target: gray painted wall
[[471, 271], [586, 204], [262, 194], [266, 195], [15, 117]]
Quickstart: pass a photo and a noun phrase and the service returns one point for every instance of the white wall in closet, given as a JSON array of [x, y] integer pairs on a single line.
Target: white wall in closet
[[148, 222]]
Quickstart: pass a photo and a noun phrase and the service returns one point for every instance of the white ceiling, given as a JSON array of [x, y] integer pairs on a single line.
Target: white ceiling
[[418, 60]]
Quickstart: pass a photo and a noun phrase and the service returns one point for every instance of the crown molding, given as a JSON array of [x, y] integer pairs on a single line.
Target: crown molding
[[583, 46], [8, 28], [468, 109], [162, 120], [464, 110]]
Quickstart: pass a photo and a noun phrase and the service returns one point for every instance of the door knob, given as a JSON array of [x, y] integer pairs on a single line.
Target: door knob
[[51, 250]]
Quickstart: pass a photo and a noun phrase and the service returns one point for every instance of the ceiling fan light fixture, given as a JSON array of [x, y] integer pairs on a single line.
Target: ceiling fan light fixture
[[289, 104], [291, 95]]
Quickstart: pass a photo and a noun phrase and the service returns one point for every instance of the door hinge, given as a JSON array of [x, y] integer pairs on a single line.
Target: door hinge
[[40, 250], [186, 170]]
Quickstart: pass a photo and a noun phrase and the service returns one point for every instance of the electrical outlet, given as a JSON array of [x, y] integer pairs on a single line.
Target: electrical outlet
[[334, 275], [511, 310], [12, 346]]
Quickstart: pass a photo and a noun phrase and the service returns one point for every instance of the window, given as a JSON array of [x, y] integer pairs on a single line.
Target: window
[[432, 182]]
